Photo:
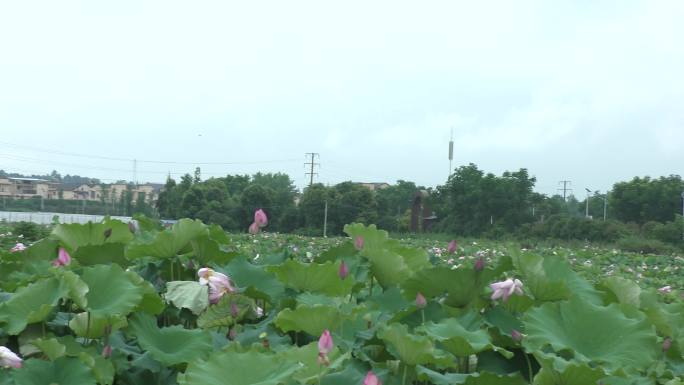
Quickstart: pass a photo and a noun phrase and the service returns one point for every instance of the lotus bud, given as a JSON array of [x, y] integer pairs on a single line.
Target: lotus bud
[[107, 351], [343, 272], [325, 346], [133, 226], [371, 379], [451, 248], [516, 335], [358, 242], [254, 228], [234, 310], [667, 344], [232, 333], [420, 301], [260, 218], [108, 233], [479, 264], [63, 258]]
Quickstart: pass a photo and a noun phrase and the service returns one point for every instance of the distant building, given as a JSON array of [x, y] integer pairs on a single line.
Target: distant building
[[22, 188], [374, 185]]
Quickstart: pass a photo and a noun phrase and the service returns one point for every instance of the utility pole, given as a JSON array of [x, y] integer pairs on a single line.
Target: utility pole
[[312, 164], [135, 171], [565, 188], [325, 220], [683, 216]]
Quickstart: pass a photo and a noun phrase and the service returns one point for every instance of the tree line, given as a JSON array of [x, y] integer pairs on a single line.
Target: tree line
[[470, 203]]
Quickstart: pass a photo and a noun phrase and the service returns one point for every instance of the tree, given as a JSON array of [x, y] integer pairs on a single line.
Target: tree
[[472, 201], [645, 199]]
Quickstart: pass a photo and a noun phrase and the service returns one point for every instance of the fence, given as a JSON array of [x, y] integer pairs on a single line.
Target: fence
[[47, 218]]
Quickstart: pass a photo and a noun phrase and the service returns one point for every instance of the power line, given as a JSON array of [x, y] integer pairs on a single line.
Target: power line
[[312, 164], [80, 155]]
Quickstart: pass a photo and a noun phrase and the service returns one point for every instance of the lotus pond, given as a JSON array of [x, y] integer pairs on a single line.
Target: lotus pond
[[108, 303]]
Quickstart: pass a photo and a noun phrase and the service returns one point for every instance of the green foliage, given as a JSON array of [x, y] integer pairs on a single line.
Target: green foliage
[[64, 320], [171, 345]]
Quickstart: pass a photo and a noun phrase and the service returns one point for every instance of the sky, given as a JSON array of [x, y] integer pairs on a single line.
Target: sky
[[586, 91]]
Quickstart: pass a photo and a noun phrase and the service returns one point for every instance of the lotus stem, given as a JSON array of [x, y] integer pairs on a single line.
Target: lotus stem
[[529, 366], [403, 377]]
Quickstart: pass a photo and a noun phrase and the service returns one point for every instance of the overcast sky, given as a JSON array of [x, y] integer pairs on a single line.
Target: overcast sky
[[587, 91]]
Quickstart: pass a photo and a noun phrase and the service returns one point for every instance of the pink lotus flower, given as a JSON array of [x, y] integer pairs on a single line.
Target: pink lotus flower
[[665, 289], [18, 247], [667, 344], [260, 218], [371, 379], [219, 283], [420, 301], [325, 346], [254, 228], [343, 272], [506, 288], [358, 242], [516, 335], [8, 359], [63, 258], [451, 248]]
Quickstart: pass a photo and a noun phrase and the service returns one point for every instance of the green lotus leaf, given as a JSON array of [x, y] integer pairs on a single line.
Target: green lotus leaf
[[77, 288], [573, 374], [111, 291], [171, 345], [307, 355], [255, 278], [335, 253], [75, 235], [221, 313], [463, 285], [151, 302], [621, 290], [96, 326], [208, 251], [63, 370], [233, 368], [188, 294], [596, 334], [550, 278], [372, 237], [461, 340], [104, 254], [354, 372], [50, 347], [412, 349], [102, 368], [416, 259], [310, 319], [31, 304], [387, 267], [169, 242], [314, 277], [482, 378]]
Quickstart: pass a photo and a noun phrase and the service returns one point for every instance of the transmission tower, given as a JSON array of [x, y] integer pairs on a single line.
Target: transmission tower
[[312, 164], [565, 188]]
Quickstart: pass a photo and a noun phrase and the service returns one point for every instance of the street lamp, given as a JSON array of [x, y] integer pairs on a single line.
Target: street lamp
[[586, 212]]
